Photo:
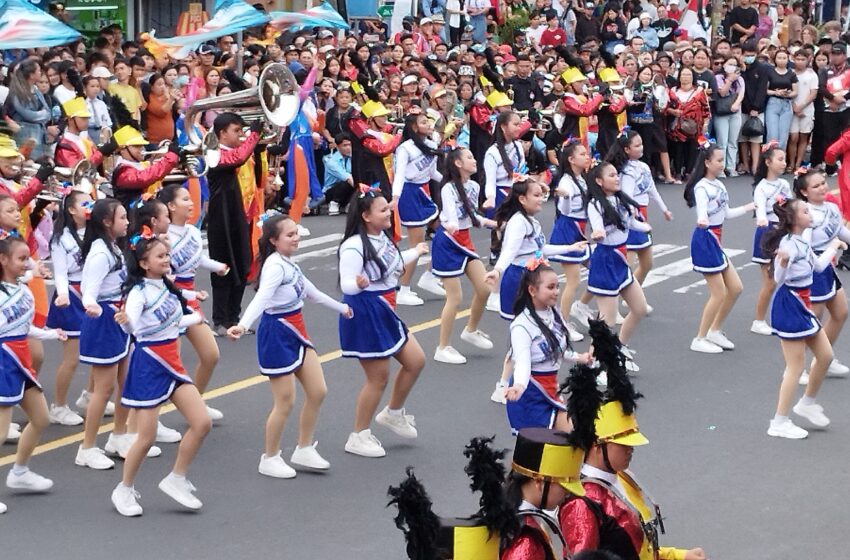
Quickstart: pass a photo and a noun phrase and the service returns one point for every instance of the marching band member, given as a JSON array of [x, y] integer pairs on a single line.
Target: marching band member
[[577, 106], [132, 176], [487, 105], [611, 115], [75, 145]]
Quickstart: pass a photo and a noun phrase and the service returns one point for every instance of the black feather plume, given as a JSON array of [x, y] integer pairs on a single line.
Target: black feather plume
[[568, 56], [491, 58], [415, 518], [432, 69], [583, 401], [494, 77], [608, 58], [370, 91], [487, 472], [121, 115], [608, 350]]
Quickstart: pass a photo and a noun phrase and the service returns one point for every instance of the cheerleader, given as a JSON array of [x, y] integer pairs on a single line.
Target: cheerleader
[[769, 188], [452, 255], [18, 382], [187, 256], [612, 214], [827, 292], [283, 347], [637, 183], [539, 345], [154, 313], [415, 167], [708, 194], [570, 223], [791, 317], [369, 267]]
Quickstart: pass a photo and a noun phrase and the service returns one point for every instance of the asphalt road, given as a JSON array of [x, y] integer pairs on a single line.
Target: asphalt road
[[722, 482]]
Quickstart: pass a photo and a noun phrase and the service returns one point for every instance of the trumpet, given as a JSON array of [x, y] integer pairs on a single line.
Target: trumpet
[[191, 166], [82, 177], [543, 125]]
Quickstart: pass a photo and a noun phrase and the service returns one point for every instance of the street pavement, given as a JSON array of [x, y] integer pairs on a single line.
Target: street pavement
[[723, 484]]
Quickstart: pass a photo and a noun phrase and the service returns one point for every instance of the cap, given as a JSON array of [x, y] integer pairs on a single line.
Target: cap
[[839, 47], [325, 34], [645, 15], [425, 21], [409, 79], [682, 46], [101, 72], [372, 109], [129, 136], [615, 426], [292, 48], [206, 49], [326, 49], [76, 108], [465, 70], [438, 18], [484, 81], [436, 91], [466, 539], [546, 454], [8, 147], [618, 49], [498, 99]]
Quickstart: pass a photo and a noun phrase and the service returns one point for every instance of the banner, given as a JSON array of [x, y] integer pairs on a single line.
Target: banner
[[323, 15], [23, 26], [229, 17]]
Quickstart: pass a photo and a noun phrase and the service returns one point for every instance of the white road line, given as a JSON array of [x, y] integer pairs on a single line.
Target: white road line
[[699, 283], [332, 238], [677, 268], [326, 252]]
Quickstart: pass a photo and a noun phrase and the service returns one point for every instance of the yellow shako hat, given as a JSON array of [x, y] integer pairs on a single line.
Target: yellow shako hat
[[129, 136], [8, 147], [546, 454], [76, 107], [372, 109], [497, 98]]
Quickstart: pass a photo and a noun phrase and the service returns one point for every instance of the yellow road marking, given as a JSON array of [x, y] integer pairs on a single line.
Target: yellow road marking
[[228, 389]]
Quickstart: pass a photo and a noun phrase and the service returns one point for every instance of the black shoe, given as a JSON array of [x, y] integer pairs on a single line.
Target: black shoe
[[844, 262]]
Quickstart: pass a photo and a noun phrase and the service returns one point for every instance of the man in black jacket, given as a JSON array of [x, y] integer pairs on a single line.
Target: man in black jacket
[[587, 26], [527, 93], [755, 98]]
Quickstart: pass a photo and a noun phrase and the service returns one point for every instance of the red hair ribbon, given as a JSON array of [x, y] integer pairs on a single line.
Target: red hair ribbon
[[87, 206], [770, 145], [366, 189], [535, 261], [802, 170], [145, 233]]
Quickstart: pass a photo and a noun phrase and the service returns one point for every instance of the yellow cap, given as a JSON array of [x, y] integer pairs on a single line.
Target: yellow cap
[[608, 75], [76, 108], [614, 426], [8, 147], [498, 99], [572, 75], [129, 136], [373, 109]]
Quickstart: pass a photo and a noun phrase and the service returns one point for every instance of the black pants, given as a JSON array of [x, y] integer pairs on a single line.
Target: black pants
[[683, 155], [340, 192], [833, 125], [227, 294], [454, 35]]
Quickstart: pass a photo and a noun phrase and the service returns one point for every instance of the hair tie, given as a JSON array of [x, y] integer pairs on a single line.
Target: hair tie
[[537, 260], [570, 140], [366, 190], [769, 146], [5, 234], [87, 206], [781, 200], [271, 212], [802, 170], [145, 233], [625, 132]]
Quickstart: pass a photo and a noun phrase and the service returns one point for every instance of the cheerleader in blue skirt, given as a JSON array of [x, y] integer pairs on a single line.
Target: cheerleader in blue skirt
[[415, 168], [539, 345], [453, 255], [369, 268], [66, 309], [770, 188], [154, 312], [103, 343], [284, 350], [791, 316], [708, 194], [18, 382], [827, 292]]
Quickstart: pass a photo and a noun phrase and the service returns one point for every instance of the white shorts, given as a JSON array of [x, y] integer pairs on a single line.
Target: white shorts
[[802, 124]]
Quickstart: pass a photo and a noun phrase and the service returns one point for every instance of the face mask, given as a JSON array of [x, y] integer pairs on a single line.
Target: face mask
[[749, 59], [730, 69], [181, 81]]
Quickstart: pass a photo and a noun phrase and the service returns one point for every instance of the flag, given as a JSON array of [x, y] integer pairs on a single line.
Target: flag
[[323, 15], [696, 13], [229, 17], [23, 26]]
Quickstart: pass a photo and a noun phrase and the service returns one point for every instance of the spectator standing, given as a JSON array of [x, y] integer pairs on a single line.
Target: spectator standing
[[727, 123], [665, 26], [803, 121], [456, 11], [743, 22], [477, 11], [612, 30], [553, 35], [755, 99], [28, 107], [836, 106], [527, 92], [159, 121], [648, 33]]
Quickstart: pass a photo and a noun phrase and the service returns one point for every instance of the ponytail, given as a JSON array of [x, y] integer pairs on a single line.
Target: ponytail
[[698, 173]]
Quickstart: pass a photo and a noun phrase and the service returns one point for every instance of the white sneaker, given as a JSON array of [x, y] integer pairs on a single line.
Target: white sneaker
[[126, 500], [786, 429], [120, 445], [572, 330], [333, 208], [837, 369], [430, 283], [164, 434], [93, 458], [581, 312], [649, 309], [705, 346], [813, 413], [628, 352], [302, 231], [602, 379], [275, 467], [402, 424], [64, 415], [308, 457], [719, 338], [449, 355], [180, 490], [761, 327], [498, 395], [804, 377], [632, 366], [364, 444], [408, 298], [3, 507], [82, 404], [214, 413], [110, 409], [29, 481], [493, 303], [14, 433], [477, 338]]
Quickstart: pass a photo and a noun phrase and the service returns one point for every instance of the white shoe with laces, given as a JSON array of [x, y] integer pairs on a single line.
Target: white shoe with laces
[[705, 346], [13, 434], [804, 377], [572, 330], [120, 445], [812, 412], [837, 369], [477, 338], [64, 416], [786, 429], [719, 338], [364, 444], [28, 481], [449, 355], [275, 467], [408, 298], [93, 458], [82, 403], [302, 231], [498, 395], [430, 283], [761, 327], [333, 208], [493, 303], [126, 500], [181, 491], [309, 458], [581, 312], [164, 434], [214, 413], [402, 424]]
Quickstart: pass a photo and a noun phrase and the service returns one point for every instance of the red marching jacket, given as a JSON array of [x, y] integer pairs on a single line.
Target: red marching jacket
[[68, 154], [839, 150]]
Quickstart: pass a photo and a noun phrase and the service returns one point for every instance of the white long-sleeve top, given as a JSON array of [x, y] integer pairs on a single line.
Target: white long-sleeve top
[[453, 211], [352, 264], [154, 313], [712, 202], [17, 308], [522, 238], [187, 252], [413, 166], [637, 182], [765, 196], [283, 288], [827, 224], [67, 257], [495, 173], [103, 274], [802, 262], [614, 236], [572, 205], [529, 348]]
